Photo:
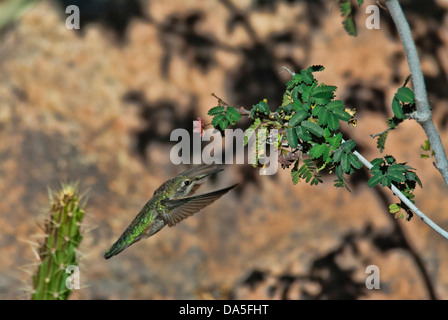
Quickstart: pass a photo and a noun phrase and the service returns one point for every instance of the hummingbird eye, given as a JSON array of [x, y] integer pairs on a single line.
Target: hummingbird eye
[[186, 182]]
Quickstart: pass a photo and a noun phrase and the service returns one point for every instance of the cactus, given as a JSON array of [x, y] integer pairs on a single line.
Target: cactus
[[63, 236]]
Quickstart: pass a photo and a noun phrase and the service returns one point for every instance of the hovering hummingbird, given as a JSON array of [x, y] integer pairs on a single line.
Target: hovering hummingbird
[[171, 203]]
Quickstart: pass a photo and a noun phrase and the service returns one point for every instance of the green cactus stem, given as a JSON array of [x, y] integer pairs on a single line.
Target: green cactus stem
[[63, 236]]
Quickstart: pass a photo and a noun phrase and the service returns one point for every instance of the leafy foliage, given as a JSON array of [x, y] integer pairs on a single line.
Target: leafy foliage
[[386, 171], [223, 116], [381, 142], [345, 6], [307, 172], [429, 153], [403, 104], [308, 124]]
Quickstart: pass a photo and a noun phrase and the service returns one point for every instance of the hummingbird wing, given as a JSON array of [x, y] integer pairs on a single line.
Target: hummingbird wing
[[182, 208], [203, 169]]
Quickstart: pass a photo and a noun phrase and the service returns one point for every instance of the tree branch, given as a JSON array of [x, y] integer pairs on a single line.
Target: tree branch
[[406, 201], [423, 114]]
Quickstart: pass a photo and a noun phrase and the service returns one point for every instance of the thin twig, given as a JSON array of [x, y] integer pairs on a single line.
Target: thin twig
[[379, 133], [423, 114], [406, 201], [289, 71]]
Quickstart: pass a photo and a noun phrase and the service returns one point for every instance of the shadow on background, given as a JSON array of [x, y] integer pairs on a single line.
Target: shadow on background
[[115, 15], [329, 279]]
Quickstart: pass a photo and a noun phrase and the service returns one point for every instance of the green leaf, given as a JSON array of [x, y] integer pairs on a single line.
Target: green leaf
[[291, 136], [339, 172], [411, 175], [335, 141], [307, 77], [223, 124], [232, 114], [295, 174], [317, 150], [307, 106], [338, 155], [298, 117], [323, 117], [333, 122], [335, 104], [263, 107], [377, 162], [322, 98], [390, 159], [217, 120], [396, 175], [417, 179], [216, 110], [307, 92], [345, 163], [397, 109], [373, 181], [297, 106], [296, 79], [316, 180], [386, 181], [315, 68], [339, 183], [295, 93], [354, 161], [398, 168], [348, 145], [405, 95], [350, 26], [306, 172], [345, 8], [394, 208], [287, 108], [317, 110], [303, 134], [314, 128], [324, 90], [346, 12], [341, 114], [286, 99], [426, 146], [381, 142]]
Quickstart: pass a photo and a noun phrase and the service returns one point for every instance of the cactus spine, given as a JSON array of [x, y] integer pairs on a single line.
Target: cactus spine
[[63, 236]]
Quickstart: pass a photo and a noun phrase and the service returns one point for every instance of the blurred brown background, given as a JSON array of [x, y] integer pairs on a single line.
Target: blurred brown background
[[98, 105]]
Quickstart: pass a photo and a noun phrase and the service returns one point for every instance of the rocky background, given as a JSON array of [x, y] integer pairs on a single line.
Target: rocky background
[[98, 105]]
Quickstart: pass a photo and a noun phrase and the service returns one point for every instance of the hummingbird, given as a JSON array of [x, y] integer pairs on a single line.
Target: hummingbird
[[171, 203]]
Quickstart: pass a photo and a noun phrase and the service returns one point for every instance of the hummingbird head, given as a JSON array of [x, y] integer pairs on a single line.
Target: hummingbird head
[[186, 183]]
